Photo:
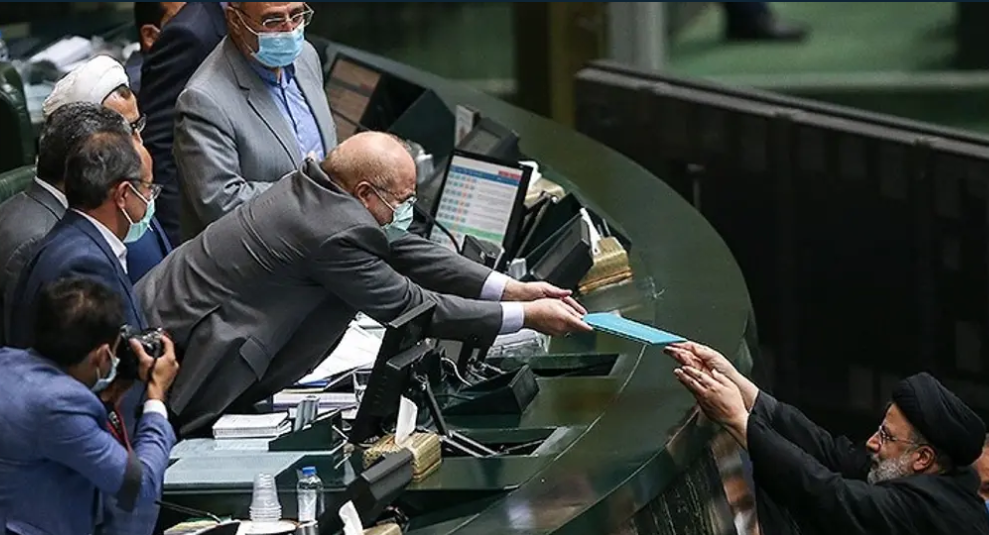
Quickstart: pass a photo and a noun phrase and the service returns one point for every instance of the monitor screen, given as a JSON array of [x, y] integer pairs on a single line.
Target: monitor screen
[[400, 350], [480, 197], [349, 90]]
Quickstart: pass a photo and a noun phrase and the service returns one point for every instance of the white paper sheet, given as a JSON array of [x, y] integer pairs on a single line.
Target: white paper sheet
[[408, 413], [357, 349], [352, 524]]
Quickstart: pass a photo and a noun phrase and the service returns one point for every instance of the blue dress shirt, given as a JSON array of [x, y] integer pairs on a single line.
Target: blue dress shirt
[[295, 109]]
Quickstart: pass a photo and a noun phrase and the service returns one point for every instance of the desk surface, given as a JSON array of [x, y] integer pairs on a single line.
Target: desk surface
[[629, 434]]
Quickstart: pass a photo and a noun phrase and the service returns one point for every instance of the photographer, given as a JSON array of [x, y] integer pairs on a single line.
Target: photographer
[[57, 460]]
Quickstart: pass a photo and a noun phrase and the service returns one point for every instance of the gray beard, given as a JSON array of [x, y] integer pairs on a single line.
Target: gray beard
[[889, 469]]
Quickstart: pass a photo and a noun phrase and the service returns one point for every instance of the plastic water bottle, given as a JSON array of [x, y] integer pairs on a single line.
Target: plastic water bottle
[[310, 491], [4, 53]]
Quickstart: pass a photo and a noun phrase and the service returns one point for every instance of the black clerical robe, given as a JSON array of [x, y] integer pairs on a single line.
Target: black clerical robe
[[806, 477]]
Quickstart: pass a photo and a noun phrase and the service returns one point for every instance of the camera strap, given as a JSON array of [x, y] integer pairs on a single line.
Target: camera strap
[[117, 428]]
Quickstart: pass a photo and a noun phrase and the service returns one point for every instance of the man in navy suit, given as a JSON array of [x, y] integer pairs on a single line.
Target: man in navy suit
[[110, 203], [55, 451], [102, 80], [180, 49]]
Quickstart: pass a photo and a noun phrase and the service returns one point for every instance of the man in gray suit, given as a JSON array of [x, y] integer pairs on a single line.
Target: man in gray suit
[[251, 113], [263, 294], [27, 217]]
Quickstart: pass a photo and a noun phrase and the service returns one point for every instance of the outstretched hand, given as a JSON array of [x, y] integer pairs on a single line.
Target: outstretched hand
[[532, 291], [703, 358], [719, 398]]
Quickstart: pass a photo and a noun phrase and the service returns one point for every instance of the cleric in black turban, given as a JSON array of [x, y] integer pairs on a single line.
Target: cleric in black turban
[[940, 419], [914, 475]]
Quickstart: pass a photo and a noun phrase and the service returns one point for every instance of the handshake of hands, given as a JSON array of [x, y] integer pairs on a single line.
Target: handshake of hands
[[722, 393], [546, 308]]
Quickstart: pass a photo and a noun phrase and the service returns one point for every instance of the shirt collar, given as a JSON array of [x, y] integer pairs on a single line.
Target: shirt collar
[[59, 196], [269, 78], [117, 246]]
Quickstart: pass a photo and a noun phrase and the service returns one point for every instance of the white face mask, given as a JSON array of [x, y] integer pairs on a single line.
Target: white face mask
[[103, 382]]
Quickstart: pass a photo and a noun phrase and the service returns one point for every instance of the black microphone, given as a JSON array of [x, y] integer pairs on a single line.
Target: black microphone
[[432, 220]]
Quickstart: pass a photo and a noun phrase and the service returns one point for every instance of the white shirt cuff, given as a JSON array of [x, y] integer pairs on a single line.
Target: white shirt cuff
[[494, 286], [155, 406], [512, 317]]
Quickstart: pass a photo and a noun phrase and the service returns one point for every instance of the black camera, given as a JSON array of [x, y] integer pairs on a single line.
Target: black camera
[[149, 339]]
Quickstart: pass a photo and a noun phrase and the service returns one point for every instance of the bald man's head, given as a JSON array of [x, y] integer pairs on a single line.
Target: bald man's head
[[377, 169]]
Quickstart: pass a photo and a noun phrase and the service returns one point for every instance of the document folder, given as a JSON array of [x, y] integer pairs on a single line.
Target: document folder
[[631, 330]]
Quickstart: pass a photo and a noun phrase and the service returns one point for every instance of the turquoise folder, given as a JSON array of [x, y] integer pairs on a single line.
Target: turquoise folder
[[632, 330]]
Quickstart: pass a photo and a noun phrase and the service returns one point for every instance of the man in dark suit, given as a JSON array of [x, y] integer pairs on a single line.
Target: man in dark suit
[[179, 50], [55, 451], [259, 298], [102, 80], [107, 201], [26, 217], [149, 19]]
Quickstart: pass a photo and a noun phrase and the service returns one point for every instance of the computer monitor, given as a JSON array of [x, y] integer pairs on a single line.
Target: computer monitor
[[349, 90], [375, 488], [491, 139], [566, 256], [402, 348], [481, 197]]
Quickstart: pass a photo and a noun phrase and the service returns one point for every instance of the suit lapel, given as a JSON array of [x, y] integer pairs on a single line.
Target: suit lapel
[[46, 199], [166, 246], [87, 228], [320, 109], [260, 100]]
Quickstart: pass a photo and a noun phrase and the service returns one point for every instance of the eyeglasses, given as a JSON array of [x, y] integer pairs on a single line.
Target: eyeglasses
[[154, 188], [138, 126], [886, 437], [411, 199], [274, 22]]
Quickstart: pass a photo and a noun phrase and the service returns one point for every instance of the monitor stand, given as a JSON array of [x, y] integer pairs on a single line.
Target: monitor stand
[[447, 436], [478, 388]]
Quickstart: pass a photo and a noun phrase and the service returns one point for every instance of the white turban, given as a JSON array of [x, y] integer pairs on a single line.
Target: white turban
[[92, 82]]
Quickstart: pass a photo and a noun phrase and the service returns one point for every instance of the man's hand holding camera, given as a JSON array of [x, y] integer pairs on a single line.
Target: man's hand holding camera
[[159, 373]]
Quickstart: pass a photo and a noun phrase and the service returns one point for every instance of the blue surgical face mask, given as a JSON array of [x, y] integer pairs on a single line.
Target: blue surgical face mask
[[401, 217], [103, 382], [279, 49], [137, 230]]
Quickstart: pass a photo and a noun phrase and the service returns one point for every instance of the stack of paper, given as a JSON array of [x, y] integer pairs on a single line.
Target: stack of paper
[[357, 349], [289, 399], [66, 53], [251, 425]]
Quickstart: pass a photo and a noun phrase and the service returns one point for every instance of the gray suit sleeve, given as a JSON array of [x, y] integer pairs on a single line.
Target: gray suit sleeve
[[206, 156], [437, 268], [350, 265]]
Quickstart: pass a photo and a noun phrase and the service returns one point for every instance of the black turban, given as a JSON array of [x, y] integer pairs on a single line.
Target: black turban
[[944, 420]]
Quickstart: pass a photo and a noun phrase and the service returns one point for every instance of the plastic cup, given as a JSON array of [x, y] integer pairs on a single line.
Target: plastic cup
[[265, 506]]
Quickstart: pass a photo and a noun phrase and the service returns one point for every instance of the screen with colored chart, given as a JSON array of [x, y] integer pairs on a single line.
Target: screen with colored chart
[[479, 198]]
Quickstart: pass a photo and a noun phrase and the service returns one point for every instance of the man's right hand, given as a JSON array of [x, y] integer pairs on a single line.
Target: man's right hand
[[554, 317], [706, 359], [159, 373]]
